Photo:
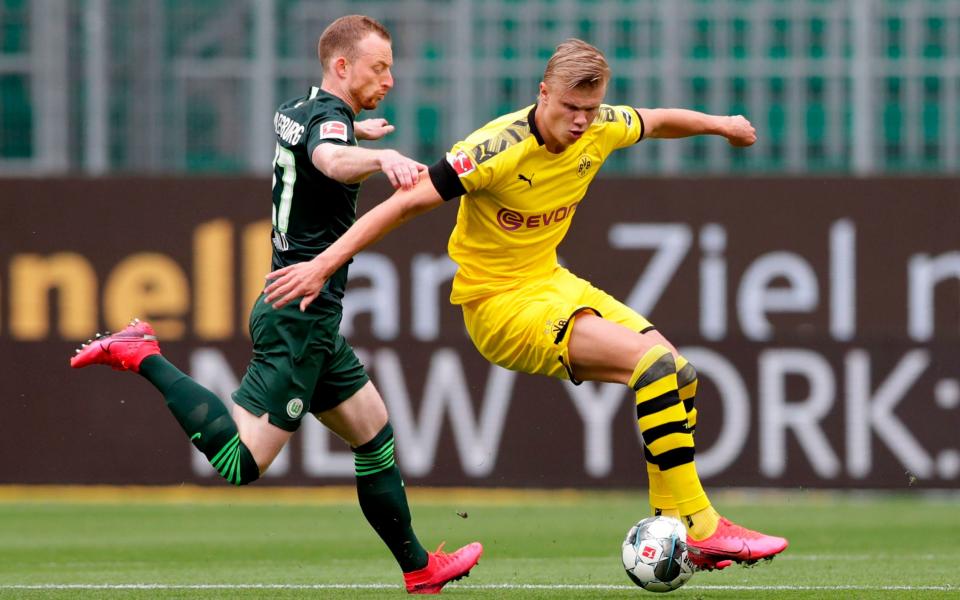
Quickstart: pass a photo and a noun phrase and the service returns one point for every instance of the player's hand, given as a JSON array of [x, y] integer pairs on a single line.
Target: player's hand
[[402, 172], [739, 132], [302, 280], [372, 129]]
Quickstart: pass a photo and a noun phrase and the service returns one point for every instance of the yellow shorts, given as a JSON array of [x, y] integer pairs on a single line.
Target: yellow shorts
[[526, 329]]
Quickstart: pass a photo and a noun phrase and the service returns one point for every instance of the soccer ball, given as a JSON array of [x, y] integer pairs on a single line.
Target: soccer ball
[[655, 554]]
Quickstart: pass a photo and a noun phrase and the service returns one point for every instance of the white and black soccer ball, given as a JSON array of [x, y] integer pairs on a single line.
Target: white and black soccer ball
[[655, 554]]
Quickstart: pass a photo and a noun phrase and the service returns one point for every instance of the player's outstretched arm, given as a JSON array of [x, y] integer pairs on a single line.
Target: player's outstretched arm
[[352, 164], [305, 280], [668, 123]]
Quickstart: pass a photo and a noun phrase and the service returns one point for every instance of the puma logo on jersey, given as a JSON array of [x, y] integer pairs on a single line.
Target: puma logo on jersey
[[529, 180]]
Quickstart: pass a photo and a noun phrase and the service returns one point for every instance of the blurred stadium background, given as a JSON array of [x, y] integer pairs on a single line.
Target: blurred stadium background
[[813, 279], [820, 298], [814, 276], [859, 87]]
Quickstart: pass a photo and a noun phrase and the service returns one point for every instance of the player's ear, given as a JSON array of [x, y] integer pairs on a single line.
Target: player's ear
[[543, 93], [340, 66]]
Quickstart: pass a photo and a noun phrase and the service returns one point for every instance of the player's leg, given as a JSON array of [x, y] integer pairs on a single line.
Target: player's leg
[[240, 446], [601, 350], [527, 330], [661, 500], [264, 439], [362, 421], [687, 383], [208, 424], [554, 328]]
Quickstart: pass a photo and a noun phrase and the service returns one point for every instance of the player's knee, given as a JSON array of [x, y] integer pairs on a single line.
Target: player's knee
[[654, 365], [687, 382], [235, 463], [377, 455], [249, 470]]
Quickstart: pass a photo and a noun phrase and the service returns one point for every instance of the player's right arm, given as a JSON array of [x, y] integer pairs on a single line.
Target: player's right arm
[[671, 123], [352, 164], [306, 279]]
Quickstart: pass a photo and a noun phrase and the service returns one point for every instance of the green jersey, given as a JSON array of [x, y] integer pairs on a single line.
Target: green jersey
[[311, 210]]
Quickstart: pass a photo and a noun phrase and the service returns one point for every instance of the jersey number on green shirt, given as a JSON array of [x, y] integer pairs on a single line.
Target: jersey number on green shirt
[[283, 159]]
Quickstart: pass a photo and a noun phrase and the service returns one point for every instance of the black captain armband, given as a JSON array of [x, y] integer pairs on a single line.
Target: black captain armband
[[446, 181], [643, 126]]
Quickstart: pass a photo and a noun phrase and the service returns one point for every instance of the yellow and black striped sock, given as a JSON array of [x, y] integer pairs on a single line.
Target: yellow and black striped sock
[[663, 425], [661, 500], [687, 385], [703, 523]]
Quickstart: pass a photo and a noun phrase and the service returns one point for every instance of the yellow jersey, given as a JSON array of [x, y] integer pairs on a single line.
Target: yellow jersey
[[518, 199]]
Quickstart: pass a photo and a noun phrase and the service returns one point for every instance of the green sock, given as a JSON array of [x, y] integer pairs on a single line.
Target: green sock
[[383, 500], [204, 418]]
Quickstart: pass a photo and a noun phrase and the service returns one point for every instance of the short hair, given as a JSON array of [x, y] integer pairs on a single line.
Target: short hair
[[576, 63], [340, 38]]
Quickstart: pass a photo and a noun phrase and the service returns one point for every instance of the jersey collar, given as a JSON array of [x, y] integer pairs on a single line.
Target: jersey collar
[[317, 91], [531, 120]]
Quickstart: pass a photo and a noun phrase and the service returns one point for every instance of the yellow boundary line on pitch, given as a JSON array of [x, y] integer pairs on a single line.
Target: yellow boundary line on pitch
[[347, 494], [335, 494]]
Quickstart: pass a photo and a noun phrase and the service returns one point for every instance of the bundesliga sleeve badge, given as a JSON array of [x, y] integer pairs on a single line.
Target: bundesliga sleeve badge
[[333, 130], [461, 163]]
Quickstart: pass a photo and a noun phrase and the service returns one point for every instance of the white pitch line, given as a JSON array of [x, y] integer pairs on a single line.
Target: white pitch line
[[854, 588], [487, 586], [836, 557]]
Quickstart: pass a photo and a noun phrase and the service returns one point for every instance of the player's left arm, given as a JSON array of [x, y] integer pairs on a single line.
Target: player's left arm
[[668, 123], [306, 279]]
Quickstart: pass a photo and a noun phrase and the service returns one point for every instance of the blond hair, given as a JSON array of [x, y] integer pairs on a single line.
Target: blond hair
[[576, 63], [341, 37]]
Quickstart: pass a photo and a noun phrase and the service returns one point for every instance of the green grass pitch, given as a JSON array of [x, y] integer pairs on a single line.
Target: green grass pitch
[[545, 545]]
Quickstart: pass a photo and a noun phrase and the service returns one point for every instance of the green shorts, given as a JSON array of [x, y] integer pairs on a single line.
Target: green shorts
[[300, 364]]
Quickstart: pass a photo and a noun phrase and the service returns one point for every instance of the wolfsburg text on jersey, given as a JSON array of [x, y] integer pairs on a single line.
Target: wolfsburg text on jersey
[[289, 130]]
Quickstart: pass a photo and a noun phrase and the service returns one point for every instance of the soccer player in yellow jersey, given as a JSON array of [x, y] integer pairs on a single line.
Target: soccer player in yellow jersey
[[521, 179]]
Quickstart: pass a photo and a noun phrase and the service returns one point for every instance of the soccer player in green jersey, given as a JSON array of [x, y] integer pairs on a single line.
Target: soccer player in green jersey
[[301, 363], [522, 177]]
